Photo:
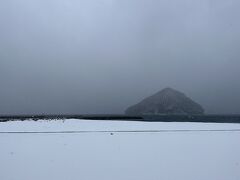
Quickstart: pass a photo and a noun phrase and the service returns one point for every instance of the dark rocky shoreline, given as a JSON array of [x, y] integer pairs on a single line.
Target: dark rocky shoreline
[[144, 118]]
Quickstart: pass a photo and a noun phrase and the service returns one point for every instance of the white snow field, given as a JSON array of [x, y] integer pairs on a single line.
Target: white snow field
[[163, 155]]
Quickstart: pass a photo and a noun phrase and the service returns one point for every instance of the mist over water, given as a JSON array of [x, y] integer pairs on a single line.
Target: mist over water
[[101, 56]]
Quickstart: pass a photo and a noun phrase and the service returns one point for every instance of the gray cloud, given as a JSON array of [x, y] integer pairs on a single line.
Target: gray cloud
[[102, 56]]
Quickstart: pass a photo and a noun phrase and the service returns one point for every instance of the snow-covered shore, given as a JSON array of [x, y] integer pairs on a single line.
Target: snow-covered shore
[[129, 156], [97, 125]]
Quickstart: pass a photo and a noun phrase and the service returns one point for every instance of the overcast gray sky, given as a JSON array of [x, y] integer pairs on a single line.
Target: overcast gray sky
[[101, 56]]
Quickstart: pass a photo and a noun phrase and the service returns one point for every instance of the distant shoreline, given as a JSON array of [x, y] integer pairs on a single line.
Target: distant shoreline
[[210, 118]]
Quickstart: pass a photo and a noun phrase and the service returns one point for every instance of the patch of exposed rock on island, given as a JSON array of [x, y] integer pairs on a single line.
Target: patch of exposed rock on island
[[167, 101]]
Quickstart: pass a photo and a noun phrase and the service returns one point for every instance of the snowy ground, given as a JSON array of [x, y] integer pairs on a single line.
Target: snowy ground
[[193, 155]]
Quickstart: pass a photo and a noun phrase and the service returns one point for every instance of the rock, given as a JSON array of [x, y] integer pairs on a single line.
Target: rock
[[166, 101]]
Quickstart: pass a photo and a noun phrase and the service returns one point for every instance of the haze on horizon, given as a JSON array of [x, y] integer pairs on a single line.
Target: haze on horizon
[[102, 56]]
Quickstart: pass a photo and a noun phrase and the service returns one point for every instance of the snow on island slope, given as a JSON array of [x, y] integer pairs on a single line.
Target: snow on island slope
[[129, 156]]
